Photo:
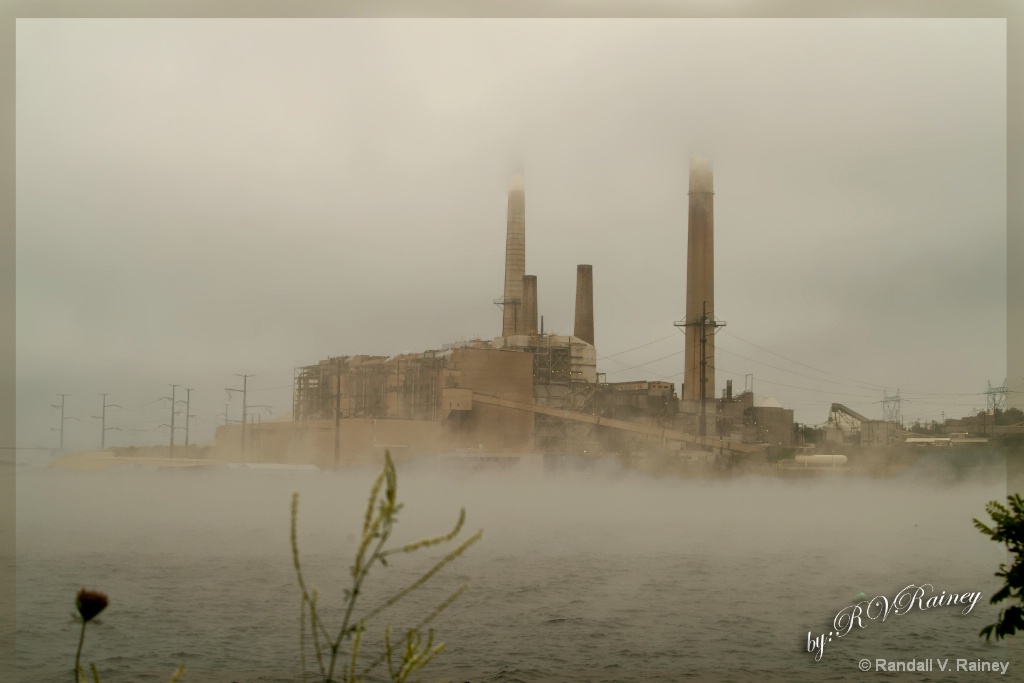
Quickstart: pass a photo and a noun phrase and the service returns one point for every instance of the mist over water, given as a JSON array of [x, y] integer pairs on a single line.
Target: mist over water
[[588, 575]]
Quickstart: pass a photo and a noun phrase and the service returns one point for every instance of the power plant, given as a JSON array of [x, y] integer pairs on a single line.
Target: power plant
[[527, 391]]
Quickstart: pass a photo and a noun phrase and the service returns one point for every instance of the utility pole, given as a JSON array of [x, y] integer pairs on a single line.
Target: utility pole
[[188, 416], [103, 424], [102, 417], [243, 390], [62, 418], [257, 440], [704, 323], [227, 420], [337, 412], [174, 388]]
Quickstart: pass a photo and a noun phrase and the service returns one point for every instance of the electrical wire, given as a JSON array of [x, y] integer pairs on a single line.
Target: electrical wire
[[824, 372], [640, 365], [857, 384], [612, 355], [793, 372]]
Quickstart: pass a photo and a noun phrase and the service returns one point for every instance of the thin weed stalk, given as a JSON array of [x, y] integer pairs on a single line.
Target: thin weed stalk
[[378, 524]]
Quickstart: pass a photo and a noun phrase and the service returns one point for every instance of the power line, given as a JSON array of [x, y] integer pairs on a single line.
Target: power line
[[793, 372], [283, 386], [865, 385], [146, 429], [612, 355], [934, 398], [640, 365], [791, 386], [142, 405], [824, 372]]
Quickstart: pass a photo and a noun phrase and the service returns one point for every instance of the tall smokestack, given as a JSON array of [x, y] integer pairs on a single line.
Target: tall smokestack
[[584, 324], [700, 282], [529, 304], [515, 258]]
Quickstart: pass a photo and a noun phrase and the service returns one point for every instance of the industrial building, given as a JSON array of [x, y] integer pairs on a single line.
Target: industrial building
[[527, 390], [847, 427]]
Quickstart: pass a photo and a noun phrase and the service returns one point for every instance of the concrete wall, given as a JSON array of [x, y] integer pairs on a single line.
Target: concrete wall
[[496, 372], [774, 426], [311, 442], [876, 432]]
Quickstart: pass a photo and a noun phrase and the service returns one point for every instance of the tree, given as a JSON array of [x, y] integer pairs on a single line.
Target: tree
[[1010, 416], [1008, 529]]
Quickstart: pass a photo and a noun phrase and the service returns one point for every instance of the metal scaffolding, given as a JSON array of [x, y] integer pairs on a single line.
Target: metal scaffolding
[[307, 398]]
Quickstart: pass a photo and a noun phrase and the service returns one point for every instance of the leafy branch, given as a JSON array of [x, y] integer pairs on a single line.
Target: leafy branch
[[378, 523], [1008, 529]]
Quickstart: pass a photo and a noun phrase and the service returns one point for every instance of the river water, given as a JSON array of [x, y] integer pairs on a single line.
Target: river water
[[590, 575]]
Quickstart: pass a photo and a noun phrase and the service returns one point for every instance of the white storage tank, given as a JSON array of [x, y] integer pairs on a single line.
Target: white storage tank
[[820, 460]]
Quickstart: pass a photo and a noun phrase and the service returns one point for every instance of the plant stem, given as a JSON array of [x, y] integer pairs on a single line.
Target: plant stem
[[356, 585], [379, 527], [78, 655]]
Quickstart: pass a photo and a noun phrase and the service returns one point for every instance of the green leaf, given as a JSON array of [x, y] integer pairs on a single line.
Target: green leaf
[[1008, 529]]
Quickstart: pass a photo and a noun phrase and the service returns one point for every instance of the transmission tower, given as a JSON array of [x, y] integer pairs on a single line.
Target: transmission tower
[[891, 407], [995, 397]]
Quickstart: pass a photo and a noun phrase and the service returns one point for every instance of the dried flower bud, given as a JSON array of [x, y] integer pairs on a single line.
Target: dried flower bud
[[90, 603]]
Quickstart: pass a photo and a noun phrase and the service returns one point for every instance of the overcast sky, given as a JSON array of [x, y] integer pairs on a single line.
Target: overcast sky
[[200, 198]]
